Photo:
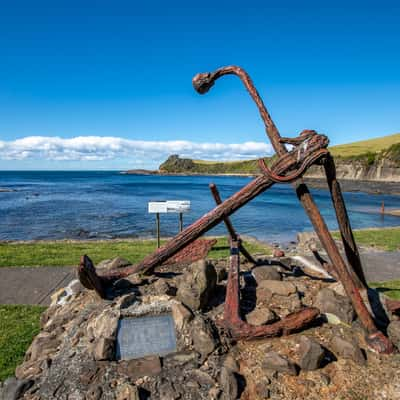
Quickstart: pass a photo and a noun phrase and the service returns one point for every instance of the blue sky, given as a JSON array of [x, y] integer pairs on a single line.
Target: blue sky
[[105, 84]]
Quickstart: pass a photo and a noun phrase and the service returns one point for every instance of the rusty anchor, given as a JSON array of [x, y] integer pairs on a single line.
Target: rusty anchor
[[309, 148]]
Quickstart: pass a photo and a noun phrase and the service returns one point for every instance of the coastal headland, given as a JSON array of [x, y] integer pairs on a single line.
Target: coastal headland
[[372, 166]]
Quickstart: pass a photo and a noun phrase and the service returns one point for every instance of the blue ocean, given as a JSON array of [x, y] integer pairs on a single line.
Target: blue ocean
[[107, 204]]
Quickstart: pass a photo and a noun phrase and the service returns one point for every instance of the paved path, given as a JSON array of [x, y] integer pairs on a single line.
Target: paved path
[[35, 285], [381, 266], [32, 285]]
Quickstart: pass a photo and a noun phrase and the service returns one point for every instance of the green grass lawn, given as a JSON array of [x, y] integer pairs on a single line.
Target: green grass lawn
[[365, 146], [384, 239], [68, 253], [18, 326], [390, 288]]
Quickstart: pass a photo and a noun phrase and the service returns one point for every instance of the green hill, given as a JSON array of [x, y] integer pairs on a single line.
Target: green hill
[[367, 151]]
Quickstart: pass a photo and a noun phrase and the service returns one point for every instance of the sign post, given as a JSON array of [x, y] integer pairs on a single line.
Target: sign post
[[169, 206]]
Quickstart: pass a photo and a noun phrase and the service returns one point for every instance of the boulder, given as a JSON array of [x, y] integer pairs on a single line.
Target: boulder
[[278, 253], [347, 349], [311, 354], [197, 285], [181, 315], [275, 362], [128, 392], [117, 262], [162, 286], [229, 384], [179, 359], [260, 316], [281, 288], [103, 349], [14, 389], [137, 368], [266, 272], [328, 301], [203, 338], [393, 331]]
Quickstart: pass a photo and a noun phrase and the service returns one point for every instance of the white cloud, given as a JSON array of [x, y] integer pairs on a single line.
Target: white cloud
[[97, 148]]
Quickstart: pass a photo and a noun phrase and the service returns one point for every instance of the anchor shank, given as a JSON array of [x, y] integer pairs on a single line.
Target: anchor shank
[[350, 246], [231, 230]]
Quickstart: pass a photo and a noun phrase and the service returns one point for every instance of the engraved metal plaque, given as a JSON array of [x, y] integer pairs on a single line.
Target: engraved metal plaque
[[144, 336]]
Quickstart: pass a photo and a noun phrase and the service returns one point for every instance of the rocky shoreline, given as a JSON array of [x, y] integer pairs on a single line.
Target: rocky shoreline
[[347, 185]]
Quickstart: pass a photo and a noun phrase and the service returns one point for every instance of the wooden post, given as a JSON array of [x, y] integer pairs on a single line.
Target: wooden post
[[158, 229], [180, 222]]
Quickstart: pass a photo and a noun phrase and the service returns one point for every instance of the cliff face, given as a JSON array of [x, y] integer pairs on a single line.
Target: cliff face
[[381, 170], [381, 166]]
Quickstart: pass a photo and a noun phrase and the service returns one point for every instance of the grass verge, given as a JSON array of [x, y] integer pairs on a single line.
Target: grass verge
[[390, 288], [67, 253], [384, 239], [18, 326]]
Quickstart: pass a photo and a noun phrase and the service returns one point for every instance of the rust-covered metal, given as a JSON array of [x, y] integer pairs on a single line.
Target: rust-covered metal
[[89, 278], [308, 148], [231, 230], [239, 329], [350, 246]]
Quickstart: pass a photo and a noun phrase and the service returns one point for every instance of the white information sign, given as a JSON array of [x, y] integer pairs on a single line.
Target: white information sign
[[169, 206]]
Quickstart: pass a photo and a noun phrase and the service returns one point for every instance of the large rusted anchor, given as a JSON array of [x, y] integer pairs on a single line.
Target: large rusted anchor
[[309, 148]]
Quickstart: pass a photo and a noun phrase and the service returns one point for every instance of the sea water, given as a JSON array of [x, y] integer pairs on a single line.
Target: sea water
[[107, 204]]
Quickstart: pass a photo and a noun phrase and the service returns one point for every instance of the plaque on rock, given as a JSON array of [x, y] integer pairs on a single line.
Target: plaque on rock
[[144, 336]]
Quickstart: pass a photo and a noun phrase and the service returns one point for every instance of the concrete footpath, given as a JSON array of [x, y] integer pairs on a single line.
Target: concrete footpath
[[35, 285], [32, 285]]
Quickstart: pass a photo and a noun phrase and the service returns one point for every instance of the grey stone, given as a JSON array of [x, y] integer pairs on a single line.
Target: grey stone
[[181, 358], [197, 285], [393, 331], [115, 263], [281, 288], [347, 349], [275, 362], [181, 315], [260, 316], [44, 344], [128, 392], [328, 301], [266, 273], [94, 393], [167, 392], [202, 377], [228, 383], [146, 366], [231, 363], [104, 349], [14, 388], [203, 338], [161, 286], [311, 354]]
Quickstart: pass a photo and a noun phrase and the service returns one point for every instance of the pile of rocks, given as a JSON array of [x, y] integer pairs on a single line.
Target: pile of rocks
[[76, 356]]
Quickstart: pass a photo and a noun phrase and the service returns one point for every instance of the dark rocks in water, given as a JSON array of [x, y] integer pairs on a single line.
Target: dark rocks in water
[[7, 190], [275, 362], [311, 354], [328, 301], [197, 285], [347, 349]]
